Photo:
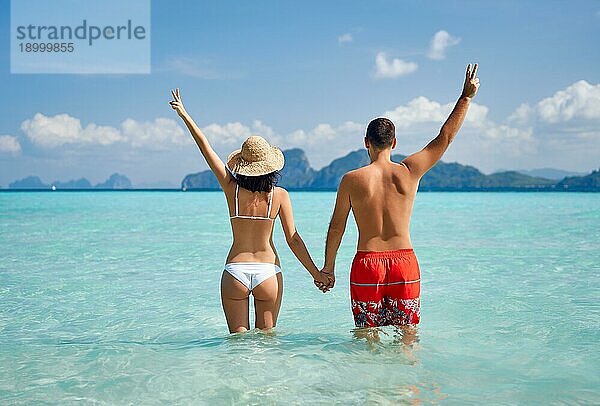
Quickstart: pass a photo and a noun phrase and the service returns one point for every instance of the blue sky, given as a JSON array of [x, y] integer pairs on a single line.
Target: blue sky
[[312, 74]]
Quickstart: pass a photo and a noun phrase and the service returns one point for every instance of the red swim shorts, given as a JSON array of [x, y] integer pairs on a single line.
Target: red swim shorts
[[385, 288]]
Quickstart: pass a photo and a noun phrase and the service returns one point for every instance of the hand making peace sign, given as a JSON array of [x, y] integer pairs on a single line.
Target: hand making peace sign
[[471, 82], [177, 104]]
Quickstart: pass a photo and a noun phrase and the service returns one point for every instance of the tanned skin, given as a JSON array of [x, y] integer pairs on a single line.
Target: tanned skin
[[252, 240], [381, 194]]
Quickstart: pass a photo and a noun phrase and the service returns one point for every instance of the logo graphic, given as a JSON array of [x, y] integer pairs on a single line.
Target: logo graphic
[[80, 36]]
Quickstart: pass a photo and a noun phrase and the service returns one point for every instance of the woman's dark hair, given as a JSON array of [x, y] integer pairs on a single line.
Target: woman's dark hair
[[262, 183]]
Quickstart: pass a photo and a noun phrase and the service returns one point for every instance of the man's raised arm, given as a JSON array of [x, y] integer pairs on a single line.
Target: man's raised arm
[[419, 163]]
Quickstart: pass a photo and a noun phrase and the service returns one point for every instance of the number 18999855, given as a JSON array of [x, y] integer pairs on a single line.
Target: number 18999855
[[46, 47]]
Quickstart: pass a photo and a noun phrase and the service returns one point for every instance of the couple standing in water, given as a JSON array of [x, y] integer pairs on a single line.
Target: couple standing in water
[[385, 275]]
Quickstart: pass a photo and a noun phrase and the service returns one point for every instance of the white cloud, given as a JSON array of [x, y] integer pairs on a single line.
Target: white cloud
[[322, 143], [62, 129], [567, 125], [423, 110], [385, 69], [161, 133], [233, 134], [259, 128], [521, 115], [325, 142], [227, 134], [481, 141], [562, 130], [9, 144], [581, 100], [345, 38], [324, 133], [578, 102], [418, 110], [439, 43], [54, 131]]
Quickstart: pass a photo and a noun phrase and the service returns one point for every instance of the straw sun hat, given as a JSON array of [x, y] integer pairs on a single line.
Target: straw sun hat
[[256, 157]]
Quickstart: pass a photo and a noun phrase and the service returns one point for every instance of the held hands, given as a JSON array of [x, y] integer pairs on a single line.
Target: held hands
[[177, 104], [471, 82], [325, 280]]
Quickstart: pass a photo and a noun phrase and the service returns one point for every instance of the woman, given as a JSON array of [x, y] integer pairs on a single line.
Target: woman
[[252, 266]]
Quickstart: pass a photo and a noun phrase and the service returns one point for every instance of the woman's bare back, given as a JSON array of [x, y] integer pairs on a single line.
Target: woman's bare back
[[252, 227]]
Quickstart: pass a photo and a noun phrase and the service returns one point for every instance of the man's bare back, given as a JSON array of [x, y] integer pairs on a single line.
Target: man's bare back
[[385, 275], [381, 197]]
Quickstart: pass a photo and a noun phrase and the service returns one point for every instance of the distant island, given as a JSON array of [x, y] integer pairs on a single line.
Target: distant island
[[297, 174], [115, 181], [548, 173]]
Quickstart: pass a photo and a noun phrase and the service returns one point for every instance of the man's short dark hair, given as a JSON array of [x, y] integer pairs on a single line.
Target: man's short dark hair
[[381, 133]]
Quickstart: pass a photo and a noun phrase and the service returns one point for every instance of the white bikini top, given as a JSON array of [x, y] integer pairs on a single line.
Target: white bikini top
[[239, 216]]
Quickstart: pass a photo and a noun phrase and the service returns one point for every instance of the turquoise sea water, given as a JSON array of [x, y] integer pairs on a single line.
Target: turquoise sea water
[[113, 298]]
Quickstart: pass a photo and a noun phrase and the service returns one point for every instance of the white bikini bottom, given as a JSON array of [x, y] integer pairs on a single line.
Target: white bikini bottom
[[252, 274]]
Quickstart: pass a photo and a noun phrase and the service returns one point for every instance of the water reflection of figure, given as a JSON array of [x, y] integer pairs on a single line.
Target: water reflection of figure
[[405, 338], [404, 335]]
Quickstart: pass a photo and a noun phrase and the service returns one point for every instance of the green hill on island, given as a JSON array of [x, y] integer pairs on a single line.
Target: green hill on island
[[298, 174], [581, 183]]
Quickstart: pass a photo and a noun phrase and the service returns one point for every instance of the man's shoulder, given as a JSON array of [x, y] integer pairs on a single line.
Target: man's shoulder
[[356, 176], [351, 175], [358, 172]]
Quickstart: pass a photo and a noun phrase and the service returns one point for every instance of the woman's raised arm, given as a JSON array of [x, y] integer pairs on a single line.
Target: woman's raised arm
[[214, 162]]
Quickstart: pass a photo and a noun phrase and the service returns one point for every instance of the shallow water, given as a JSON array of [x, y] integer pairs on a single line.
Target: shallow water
[[113, 298]]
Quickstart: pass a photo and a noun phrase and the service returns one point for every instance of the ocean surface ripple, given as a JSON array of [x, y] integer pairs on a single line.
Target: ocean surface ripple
[[113, 298]]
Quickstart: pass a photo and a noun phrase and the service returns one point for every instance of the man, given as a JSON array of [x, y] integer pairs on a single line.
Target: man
[[385, 275]]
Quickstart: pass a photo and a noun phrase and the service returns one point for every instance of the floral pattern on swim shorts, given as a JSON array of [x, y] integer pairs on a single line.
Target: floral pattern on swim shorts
[[386, 312], [385, 288]]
